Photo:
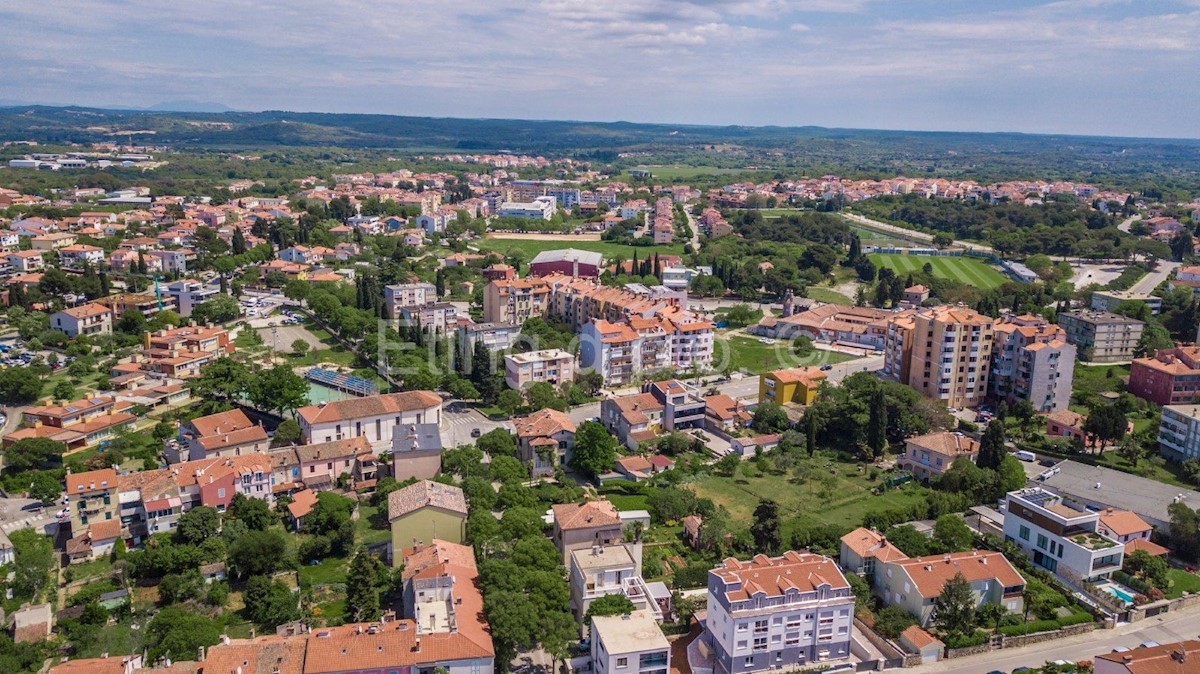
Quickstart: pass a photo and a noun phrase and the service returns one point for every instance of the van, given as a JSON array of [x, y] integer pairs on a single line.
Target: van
[[1026, 456]]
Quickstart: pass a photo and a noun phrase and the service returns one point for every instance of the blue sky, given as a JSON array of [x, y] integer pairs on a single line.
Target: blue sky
[[1111, 67]]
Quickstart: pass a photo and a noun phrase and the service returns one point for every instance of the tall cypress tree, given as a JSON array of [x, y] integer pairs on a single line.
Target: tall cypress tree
[[991, 447], [877, 424]]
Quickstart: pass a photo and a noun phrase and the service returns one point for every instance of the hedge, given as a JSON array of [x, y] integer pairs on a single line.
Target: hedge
[[1036, 626], [977, 638], [1132, 581]]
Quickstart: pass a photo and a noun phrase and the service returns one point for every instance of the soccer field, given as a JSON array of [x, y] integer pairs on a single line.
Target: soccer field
[[961, 269]]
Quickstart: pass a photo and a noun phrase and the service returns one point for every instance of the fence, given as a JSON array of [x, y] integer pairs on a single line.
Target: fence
[[1150, 610], [1001, 642]]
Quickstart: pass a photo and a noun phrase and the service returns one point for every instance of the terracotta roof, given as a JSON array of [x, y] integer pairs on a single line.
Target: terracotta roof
[[589, 515], [1147, 546], [809, 376], [951, 444], [244, 436], [929, 574], [635, 465], [87, 310], [543, 423], [1066, 418], [106, 665], [426, 561], [224, 422], [634, 407], [269, 655], [94, 480], [302, 503], [105, 529], [1122, 522], [371, 406], [867, 543], [776, 576], [336, 449], [1162, 659], [919, 638], [426, 493]]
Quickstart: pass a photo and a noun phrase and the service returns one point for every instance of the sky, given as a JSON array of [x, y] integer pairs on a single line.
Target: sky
[[1096, 67]]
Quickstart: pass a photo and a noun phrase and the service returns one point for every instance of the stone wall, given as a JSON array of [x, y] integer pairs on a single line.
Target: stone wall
[[1165, 606], [952, 653], [890, 651], [1038, 637]]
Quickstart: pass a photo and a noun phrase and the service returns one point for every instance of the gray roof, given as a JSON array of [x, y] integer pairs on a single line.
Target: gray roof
[[426, 493], [1145, 497], [570, 255], [416, 438]]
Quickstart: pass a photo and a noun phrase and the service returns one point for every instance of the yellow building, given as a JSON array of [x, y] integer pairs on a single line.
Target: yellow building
[[424, 511], [797, 385]]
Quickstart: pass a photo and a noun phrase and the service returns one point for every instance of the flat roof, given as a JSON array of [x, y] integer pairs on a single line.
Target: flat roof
[[637, 632], [1123, 491], [605, 557]]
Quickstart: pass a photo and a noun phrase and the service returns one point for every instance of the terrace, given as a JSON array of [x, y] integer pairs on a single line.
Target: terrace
[[1093, 541]]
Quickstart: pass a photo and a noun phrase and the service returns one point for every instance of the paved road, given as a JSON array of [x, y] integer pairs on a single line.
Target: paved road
[[695, 230], [908, 233], [1125, 224], [24, 513], [457, 427], [1150, 281], [1163, 629]]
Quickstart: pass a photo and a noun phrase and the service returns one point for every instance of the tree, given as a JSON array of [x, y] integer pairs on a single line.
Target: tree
[[952, 534], [288, 432], [176, 588], [19, 385], [770, 418], [218, 309], [224, 379], [1185, 531], [954, 610], [892, 620], [608, 605], [362, 593], [238, 245], [727, 465], [990, 615], [259, 553], [179, 633], [197, 525], [497, 442], [909, 541], [132, 322], [279, 388], [270, 603], [34, 555], [877, 425], [33, 454], [300, 347], [765, 528], [44, 487], [509, 401], [1105, 423], [595, 449], [254, 513], [541, 395], [991, 446]]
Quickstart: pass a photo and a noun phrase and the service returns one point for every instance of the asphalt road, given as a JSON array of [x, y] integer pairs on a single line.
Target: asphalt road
[[1163, 629], [1150, 281], [24, 513], [1127, 222]]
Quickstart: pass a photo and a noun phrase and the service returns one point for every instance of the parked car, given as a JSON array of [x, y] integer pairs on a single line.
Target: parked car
[[475, 432]]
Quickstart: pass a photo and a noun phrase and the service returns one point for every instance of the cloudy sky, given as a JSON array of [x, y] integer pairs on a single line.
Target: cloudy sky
[[1113, 67]]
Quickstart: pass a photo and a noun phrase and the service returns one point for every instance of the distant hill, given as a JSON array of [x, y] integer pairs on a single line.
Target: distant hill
[[188, 106]]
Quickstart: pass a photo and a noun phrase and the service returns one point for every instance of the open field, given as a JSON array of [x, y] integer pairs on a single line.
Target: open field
[[819, 491], [752, 356], [542, 236], [827, 295], [962, 269], [610, 251]]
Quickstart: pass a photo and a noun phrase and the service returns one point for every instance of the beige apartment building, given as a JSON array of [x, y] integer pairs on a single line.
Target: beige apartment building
[[945, 354], [1101, 337], [553, 366]]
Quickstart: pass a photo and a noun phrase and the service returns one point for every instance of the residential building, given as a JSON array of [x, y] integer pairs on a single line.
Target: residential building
[[678, 278], [632, 644], [916, 640], [567, 261], [377, 418], [580, 526], [1098, 488], [1171, 377], [619, 351], [440, 317], [1179, 432], [78, 255], [792, 386], [78, 424], [402, 646], [1109, 300], [423, 511], [915, 295], [400, 296], [1100, 336], [189, 294], [540, 208], [85, 320], [832, 323], [144, 303], [495, 336], [610, 569], [228, 433], [1126, 528], [91, 498], [778, 613], [441, 598], [323, 463], [34, 623], [683, 407], [863, 549], [632, 419], [552, 366], [928, 456], [26, 261], [915, 583], [417, 452], [1060, 537], [948, 353], [724, 413], [544, 441], [1179, 657], [1032, 360], [515, 301]]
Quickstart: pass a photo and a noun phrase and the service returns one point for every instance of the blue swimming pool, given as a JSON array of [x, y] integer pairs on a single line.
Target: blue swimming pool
[[1119, 593]]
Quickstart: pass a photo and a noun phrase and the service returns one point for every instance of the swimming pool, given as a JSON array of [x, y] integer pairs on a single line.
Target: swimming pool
[[1119, 593]]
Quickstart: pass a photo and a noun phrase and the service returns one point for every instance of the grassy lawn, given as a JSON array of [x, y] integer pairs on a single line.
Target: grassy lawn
[[1098, 379], [1182, 581], [962, 269], [627, 502], [752, 356], [365, 534], [818, 491], [610, 251], [96, 568], [331, 570], [827, 295], [114, 639]]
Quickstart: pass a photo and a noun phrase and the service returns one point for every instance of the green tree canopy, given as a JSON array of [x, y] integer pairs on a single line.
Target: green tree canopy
[[595, 451]]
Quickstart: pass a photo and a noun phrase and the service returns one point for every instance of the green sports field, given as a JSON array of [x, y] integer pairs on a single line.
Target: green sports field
[[961, 269]]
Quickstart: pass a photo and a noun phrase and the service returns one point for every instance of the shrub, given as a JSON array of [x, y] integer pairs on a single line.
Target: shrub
[[977, 638]]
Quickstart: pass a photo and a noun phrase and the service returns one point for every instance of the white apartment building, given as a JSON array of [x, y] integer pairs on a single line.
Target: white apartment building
[[1179, 432], [679, 278], [611, 569], [629, 644], [541, 208], [399, 296], [553, 366], [190, 294], [778, 613], [1060, 537], [86, 319], [376, 418]]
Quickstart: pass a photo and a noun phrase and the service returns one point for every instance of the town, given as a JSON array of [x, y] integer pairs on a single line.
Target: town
[[476, 413]]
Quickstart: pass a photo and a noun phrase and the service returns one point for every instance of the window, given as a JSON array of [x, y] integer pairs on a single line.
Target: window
[[1024, 533], [741, 644], [1041, 541], [221, 492], [748, 662], [760, 643], [622, 663]]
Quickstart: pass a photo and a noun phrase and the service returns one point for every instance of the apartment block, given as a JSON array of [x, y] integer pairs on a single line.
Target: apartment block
[[377, 418], [189, 294], [946, 354], [552, 366], [916, 583], [1032, 360], [1179, 432], [620, 351], [495, 336], [399, 296], [85, 320], [629, 644], [1101, 337], [1060, 537], [1109, 300], [782, 612], [515, 301], [1171, 377], [614, 569]]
